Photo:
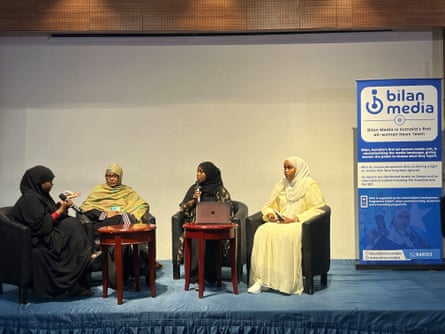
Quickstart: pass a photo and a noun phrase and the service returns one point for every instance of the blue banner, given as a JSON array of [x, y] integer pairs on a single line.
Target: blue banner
[[399, 171]]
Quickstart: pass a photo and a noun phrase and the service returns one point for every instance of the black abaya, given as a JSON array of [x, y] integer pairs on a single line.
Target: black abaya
[[61, 250]]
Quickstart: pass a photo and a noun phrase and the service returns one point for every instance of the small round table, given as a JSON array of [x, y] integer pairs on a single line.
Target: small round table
[[119, 235], [202, 233]]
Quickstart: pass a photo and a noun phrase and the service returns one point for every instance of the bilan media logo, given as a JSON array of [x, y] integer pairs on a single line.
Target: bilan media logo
[[400, 101], [403, 113]]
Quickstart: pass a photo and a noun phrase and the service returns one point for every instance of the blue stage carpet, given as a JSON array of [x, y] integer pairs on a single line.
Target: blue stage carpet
[[355, 301]]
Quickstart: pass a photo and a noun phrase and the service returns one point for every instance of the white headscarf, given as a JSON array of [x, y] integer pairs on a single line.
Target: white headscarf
[[298, 186]]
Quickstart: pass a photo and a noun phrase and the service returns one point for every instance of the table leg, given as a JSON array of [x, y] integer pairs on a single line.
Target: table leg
[[119, 271], [187, 256], [152, 267], [104, 250], [201, 264], [234, 261], [153, 248]]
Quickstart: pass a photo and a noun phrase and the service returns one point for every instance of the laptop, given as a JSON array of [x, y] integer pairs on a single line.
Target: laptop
[[212, 213]]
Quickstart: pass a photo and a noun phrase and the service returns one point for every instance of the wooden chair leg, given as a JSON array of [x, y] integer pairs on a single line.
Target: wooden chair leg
[[248, 269], [239, 268], [176, 268], [178, 256], [23, 295], [324, 279], [308, 285]]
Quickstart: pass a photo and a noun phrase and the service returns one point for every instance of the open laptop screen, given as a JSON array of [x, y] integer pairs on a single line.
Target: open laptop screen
[[212, 212]]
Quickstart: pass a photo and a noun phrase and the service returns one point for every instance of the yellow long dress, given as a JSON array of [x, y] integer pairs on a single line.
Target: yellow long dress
[[276, 254]]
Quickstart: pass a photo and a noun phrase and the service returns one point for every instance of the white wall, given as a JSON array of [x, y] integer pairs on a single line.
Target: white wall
[[159, 106]]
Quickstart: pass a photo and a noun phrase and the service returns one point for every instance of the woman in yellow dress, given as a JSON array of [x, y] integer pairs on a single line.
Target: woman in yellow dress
[[276, 255]]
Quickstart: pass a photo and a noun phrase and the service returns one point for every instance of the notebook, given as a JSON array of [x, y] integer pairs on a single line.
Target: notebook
[[212, 213]]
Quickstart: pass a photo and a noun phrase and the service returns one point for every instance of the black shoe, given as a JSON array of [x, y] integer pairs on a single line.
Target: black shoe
[[84, 292], [130, 284], [79, 291], [211, 280]]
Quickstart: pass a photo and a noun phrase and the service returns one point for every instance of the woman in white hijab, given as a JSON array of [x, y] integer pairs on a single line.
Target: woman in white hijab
[[276, 254]]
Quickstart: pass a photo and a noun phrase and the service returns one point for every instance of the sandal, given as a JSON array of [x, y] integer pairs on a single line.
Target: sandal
[[96, 261], [95, 255]]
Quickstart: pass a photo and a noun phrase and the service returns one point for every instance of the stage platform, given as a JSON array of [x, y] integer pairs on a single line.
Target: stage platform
[[355, 301]]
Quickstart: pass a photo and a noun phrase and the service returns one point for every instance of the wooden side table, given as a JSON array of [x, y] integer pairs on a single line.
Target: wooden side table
[[119, 235], [202, 233]]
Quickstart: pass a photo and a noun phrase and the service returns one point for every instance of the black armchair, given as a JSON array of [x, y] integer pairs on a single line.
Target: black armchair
[[15, 254], [316, 248], [240, 215]]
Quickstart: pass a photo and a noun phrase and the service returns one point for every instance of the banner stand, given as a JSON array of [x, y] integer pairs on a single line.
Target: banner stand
[[399, 175], [360, 266], [379, 266]]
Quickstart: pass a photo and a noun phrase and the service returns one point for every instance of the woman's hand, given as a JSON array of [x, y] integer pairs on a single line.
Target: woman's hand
[[191, 203], [71, 194], [288, 220], [113, 213], [274, 219], [66, 204], [271, 217], [196, 194]]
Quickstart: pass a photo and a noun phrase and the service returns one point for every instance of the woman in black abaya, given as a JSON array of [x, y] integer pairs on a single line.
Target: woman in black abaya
[[208, 187], [61, 250]]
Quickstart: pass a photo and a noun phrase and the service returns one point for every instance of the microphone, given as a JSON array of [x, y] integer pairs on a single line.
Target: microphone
[[198, 188], [63, 197]]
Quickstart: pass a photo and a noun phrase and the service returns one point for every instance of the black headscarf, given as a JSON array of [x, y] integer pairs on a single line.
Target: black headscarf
[[32, 181], [210, 187], [213, 181]]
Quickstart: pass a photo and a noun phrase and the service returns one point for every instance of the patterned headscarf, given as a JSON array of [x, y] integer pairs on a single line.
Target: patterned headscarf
[[116, 169], [104, 198]]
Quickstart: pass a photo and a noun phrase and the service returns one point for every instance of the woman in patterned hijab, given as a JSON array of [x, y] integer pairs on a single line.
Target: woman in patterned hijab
[[113, 203], [113, 198]]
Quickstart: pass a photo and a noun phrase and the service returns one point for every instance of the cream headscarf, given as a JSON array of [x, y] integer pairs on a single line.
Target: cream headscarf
[[104, 198], [298, 186]]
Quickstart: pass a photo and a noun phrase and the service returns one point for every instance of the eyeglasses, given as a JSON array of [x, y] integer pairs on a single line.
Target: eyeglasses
[[111, 176]]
